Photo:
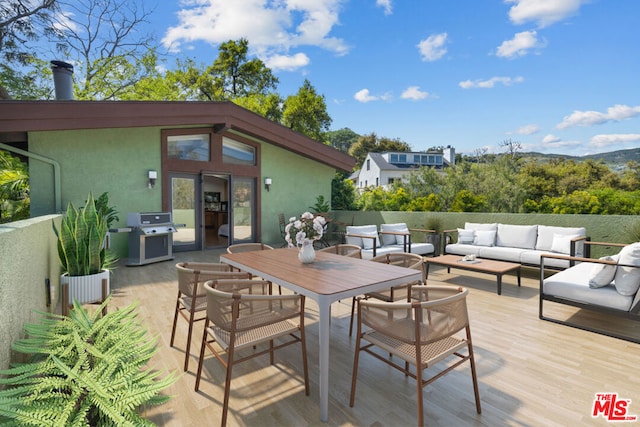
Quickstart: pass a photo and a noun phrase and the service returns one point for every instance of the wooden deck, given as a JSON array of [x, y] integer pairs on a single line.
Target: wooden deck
[[531, 372]]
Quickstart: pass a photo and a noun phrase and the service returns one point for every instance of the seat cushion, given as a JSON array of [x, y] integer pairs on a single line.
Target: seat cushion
[[421, 248], [460, 249], [391, 239], [368, 253], [573, 283]]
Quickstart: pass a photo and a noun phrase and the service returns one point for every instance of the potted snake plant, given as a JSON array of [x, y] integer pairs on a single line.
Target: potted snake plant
[[84, 259]]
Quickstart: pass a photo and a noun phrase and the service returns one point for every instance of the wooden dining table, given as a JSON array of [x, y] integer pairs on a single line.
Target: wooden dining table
[[330, 278]]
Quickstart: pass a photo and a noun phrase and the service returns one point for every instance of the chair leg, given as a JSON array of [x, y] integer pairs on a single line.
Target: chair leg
[[227, 386], [187, 351], [353, 308], [419, 397], [474, 376], [201, 358], [175, 320], [354, 375]]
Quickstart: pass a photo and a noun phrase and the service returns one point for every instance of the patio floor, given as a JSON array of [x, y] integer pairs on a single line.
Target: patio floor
[[531, 372]]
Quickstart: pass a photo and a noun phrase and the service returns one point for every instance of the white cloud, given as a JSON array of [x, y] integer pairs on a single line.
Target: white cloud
[[543, 12], [432, 48], [552, 142], [615, 138], [590, 118], [519, 45], [364, 96], [507, 81], [414, 93], [272, 28], [386, 5], [287, 62], [528, 129]]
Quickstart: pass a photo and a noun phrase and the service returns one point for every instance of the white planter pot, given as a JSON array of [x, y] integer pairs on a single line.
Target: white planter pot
[[86, 289]]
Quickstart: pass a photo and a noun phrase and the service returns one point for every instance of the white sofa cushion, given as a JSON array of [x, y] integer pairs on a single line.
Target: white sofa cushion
[[485, 238], [627, 279], [603, 274], [368, 243], [360, 229], [546, 233], [562, 243], [460, 249], [500, 253], [368, 253], [421, 248], [465, 237], [392, 239], [517, 236], [573, 283], [481, 226]]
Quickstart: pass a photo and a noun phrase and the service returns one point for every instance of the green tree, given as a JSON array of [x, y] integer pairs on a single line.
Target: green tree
[[102, 39], [466, 201], [22, 22], [14, 188], [32, 82], [343, 192], [306, 112], [342, 139], [236, 76]]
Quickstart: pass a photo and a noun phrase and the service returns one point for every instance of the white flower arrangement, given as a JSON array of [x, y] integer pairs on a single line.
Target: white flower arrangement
[[301, 232]]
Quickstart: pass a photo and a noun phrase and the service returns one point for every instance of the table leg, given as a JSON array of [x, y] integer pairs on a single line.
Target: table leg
[[324, 308], [519, 281], [499, 283]]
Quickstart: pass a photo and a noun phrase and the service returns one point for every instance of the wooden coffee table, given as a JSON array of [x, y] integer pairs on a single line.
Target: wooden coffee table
[[480, 265]]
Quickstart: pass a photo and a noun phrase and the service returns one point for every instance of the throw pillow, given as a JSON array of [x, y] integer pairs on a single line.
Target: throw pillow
[[368, 243], [603, 274], [562, 243], [485, 238], [465, 237], [627, 278]]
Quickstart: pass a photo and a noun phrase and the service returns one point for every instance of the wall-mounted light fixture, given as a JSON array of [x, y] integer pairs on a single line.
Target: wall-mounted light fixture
[[267, 183], [153, 175]]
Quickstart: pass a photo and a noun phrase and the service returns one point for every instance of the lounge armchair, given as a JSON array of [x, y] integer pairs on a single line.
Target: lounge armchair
[[391, 239]]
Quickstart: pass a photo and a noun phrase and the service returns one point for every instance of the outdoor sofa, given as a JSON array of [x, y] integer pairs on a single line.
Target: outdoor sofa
[[524, 244], [608, 285], [391, 238]]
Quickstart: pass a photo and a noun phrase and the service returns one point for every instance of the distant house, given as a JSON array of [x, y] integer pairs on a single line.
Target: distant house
[[221, 170], [383, 169]]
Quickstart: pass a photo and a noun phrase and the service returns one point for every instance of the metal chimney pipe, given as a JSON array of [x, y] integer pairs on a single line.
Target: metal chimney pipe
[[62, 79]]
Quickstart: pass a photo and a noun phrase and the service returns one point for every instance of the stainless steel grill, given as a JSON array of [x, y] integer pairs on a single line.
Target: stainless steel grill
[[150, 238]]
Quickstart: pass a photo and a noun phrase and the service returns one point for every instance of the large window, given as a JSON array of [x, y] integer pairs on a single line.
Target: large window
[[189, 147], [237, 153]]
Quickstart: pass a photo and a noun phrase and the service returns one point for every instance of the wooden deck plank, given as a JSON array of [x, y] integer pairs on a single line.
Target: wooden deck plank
[[531, 372]]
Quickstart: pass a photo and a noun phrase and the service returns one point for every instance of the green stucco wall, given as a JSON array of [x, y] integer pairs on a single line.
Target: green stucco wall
[[28, 257], [117, 161], [297, 182], [99, 160]]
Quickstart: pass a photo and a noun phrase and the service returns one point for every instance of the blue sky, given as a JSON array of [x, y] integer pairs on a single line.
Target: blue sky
[[558, 76]]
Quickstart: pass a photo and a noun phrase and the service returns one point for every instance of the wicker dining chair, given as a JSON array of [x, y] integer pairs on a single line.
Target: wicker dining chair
[[396, 293], [242, 315], [353, 251], [422, 333], [250, 247], [191, 300]]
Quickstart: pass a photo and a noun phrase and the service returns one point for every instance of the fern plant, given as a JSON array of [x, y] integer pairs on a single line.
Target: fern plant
[[84, 370]]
